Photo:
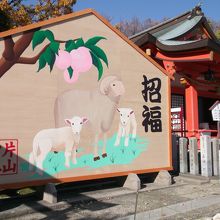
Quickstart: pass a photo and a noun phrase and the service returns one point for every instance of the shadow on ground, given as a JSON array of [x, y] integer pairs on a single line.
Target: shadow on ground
[[31, 203]]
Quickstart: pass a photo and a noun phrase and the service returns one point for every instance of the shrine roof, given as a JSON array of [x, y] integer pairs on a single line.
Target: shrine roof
[[175, 45], [214, 105], [189, 31]]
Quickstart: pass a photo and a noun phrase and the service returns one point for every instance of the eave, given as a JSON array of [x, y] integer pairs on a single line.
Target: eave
[[148, 39], [198, 57]]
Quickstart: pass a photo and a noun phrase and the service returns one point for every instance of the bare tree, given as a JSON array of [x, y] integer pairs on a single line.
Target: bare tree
[[135, 25]]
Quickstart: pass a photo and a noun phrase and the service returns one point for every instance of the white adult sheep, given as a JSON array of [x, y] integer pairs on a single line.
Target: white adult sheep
[[50, 139], [98, 105], [127, 122]]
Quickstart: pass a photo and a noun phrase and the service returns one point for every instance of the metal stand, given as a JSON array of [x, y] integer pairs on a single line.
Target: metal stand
[[218, 135]]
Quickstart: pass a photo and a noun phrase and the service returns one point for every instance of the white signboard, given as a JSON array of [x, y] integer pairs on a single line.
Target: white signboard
[[216, 113]]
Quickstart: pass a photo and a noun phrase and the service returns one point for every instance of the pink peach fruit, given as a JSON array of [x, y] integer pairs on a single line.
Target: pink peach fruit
[[63, 60], [81, 59]]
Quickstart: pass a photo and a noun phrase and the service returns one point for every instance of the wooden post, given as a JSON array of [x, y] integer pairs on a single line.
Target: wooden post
[[192, 115]]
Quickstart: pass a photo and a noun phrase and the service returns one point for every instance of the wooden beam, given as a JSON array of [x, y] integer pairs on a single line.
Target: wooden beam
[[192, 67], [170, 67], [196, 69], [207, 94], [198, 84], [216, 57], [208, 56], [206, 32], [177, 90]]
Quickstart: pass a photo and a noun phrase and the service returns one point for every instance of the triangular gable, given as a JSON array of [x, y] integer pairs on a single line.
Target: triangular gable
[[67, 17]]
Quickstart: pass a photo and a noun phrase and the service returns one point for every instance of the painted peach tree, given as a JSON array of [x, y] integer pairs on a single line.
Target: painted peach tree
[[77, 57]]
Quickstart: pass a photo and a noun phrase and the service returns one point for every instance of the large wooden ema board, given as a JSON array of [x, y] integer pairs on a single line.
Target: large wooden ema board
[[98, 106]]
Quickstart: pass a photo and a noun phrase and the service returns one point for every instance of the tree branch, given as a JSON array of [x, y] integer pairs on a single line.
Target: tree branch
[[13, 51], [31, 60], [8, 53], [23, 43]]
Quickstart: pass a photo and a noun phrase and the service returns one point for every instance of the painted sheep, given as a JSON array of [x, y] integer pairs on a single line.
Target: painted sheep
[[127, 122], [50, 139], [98, 105]]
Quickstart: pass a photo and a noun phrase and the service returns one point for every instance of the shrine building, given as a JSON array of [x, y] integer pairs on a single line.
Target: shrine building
[[188, 49]]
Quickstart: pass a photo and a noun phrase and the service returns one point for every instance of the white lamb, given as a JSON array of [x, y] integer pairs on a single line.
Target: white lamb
[[99, 106], [50, 139], [127, 122]]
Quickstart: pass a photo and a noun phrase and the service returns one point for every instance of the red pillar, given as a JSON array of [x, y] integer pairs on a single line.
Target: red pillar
[[192, 116]]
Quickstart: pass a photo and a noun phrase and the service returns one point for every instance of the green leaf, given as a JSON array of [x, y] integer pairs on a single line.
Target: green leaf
[[49, 35], [70, 45], [94, 40], [70, 71], [54, 46], [42, 62], [52, 63], [99, 53], [97, 63], [49, 56], [79, 43], [38, 38]]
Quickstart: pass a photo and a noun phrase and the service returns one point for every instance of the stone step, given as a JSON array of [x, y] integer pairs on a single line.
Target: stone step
[[192, 179]]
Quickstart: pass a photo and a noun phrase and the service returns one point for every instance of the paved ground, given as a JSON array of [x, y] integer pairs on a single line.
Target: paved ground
[[180, 201]]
